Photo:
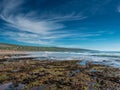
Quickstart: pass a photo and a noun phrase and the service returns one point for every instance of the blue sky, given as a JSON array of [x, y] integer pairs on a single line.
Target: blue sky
[[92, 24]]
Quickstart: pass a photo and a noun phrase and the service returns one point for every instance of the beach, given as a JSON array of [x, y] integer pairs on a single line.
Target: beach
[[32, 74]]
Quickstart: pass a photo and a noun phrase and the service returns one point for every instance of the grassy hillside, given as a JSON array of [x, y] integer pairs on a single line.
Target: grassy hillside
[[35, 48]]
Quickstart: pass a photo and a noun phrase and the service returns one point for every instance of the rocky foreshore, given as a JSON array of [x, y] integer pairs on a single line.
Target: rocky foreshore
[[29, 74]]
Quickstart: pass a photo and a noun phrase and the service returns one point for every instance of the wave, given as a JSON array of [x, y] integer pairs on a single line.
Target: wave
[[106, 58]]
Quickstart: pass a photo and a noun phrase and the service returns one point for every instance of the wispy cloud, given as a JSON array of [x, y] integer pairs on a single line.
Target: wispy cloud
[[10, 7], [34, 26], [27, 38], [34, 38], [118, 9], [44, 29], [47, 27], [69, 17]]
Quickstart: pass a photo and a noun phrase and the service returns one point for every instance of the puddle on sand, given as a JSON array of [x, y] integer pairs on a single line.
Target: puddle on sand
[[83, 63], [38, 88], [11, 86], [93, 71]]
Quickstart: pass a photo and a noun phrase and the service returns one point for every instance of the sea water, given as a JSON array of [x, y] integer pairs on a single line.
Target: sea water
[[96, 57]]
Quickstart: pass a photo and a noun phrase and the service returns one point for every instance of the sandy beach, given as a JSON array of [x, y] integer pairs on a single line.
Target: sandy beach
[[11, 52]]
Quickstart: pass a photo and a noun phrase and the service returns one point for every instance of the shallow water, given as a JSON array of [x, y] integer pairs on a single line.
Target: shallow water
[[106, 58], [38, 88], [10, 86]]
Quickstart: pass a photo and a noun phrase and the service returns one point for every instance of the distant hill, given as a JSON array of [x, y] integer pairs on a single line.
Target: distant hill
[[4, 46]]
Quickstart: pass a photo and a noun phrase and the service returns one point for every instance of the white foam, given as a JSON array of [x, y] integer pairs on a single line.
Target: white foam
[[107, 58]]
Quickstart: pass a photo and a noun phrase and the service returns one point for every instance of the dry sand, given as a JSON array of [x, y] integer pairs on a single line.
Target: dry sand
[[4, 52]]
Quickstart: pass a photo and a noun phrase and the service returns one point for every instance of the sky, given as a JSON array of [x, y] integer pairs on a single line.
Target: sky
[[89, 24]]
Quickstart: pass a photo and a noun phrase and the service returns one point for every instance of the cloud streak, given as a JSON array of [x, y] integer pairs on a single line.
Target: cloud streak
[[118, 8], [41, 29]]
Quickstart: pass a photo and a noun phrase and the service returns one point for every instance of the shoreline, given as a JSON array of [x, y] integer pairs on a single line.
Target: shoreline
[[50, 74]]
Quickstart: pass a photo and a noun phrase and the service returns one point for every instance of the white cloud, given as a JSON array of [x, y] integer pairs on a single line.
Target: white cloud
[[10, 7], [68, 17], [33, 37], [26, 24], [44, 31], [118, 9], [27, 38]]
